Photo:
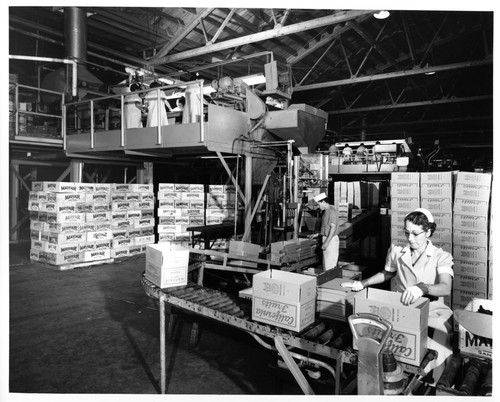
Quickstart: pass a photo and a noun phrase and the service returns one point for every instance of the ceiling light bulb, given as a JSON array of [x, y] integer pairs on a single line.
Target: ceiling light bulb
[[382, 14]]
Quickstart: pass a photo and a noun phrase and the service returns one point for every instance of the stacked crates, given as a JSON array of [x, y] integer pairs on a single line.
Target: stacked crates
[[471, 232], [405, 197], [221, 199], [75, 223], [436, 195], [132, 219], [179, 207]]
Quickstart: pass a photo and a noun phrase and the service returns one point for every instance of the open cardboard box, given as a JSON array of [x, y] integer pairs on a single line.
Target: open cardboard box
[[475, 328], [408, 338]]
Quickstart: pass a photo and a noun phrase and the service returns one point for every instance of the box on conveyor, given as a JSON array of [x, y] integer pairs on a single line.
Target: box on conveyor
[[475, 328], [408, 338], [167, 264], [284, 299]]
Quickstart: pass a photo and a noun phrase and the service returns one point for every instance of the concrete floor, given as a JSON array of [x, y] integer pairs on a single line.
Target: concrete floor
[[94, 330]]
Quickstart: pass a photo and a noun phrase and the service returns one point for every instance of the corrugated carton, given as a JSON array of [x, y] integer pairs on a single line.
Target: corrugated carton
[[167, 264], [474, 329], [284, 299], [408, 339]]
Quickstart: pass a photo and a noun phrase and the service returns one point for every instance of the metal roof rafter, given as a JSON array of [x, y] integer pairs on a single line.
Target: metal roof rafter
[[260, 36], [179, 36]]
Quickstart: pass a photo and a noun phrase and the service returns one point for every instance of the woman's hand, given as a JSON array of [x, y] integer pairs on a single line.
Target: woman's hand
[[411, 295], [355, 286]]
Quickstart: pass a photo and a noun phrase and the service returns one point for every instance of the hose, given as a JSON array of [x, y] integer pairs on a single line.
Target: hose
[[297, 355]]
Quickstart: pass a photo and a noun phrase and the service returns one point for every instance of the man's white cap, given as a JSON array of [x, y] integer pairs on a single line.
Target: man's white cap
[[320, 197]]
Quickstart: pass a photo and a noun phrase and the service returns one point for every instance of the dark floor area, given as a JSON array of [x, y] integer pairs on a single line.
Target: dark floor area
[[94, 330]]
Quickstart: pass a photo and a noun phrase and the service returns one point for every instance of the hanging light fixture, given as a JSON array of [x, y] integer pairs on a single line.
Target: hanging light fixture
[[429, 72], [382, 14]]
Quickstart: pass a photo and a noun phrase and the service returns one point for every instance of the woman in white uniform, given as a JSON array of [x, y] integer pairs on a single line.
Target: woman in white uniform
[[421, 269], [133, 108], [152, 101]]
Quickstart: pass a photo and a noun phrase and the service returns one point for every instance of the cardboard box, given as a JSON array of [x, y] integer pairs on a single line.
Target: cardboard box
[[472, 192], [463, 297], [436, 190], [96, 255], [120, 187], [475, 329], [470, 268], [436, 178], [408, 339], [243, 248], [101, 235], [481, 179], [405, 204], [468, 237], [471, 207], [470, 253], [439, 205], [61, 187], [166, 278], [284, 299], [470, 222], [167, 264], [443, 220], [405, 177], [166, 187], [405, 190], [65, 197], [470, 283]]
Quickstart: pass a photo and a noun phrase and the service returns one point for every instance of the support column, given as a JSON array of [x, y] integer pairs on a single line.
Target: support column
[[144, 175], [14, 199], [248, 196], [76, 172]]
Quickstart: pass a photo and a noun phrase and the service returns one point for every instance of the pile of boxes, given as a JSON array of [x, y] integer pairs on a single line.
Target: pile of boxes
[[185, 205], [179, 207], [470, 238], [405, 197], [436, 195], [132, 218], [460, 205], [83, 222]]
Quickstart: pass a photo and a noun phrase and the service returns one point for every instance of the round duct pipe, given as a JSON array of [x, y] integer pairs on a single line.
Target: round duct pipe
[[75, 33]]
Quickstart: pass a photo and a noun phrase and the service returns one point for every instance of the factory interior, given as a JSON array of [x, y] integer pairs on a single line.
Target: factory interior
[[216, 202]]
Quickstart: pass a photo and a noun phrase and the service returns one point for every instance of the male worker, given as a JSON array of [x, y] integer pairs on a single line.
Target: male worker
[[329, 232]]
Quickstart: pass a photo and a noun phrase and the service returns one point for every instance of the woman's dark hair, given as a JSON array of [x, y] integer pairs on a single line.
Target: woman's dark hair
[[420, 219], [135, 87], [155, 84]]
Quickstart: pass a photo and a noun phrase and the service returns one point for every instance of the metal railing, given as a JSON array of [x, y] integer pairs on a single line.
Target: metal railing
[[89, 111], [20, 111]]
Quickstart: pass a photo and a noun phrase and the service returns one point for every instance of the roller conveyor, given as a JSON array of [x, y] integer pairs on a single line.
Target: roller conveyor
[[197, 300], [317, 344]]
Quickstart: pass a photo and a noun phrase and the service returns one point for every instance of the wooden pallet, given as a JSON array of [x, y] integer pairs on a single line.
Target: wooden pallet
[[66, 267]]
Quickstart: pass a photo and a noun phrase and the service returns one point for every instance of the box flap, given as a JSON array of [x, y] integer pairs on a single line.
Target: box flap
[[476, 323]]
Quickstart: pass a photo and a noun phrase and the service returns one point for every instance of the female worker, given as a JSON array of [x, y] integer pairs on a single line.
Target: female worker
[[133, 108], [151, 100], [421, 269]]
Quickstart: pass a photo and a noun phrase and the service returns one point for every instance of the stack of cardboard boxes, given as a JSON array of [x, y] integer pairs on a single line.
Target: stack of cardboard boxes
[[220, 208], [179, 207], [405, 198], [470, 238], [82, 222], [436, 195], [132, 218]]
